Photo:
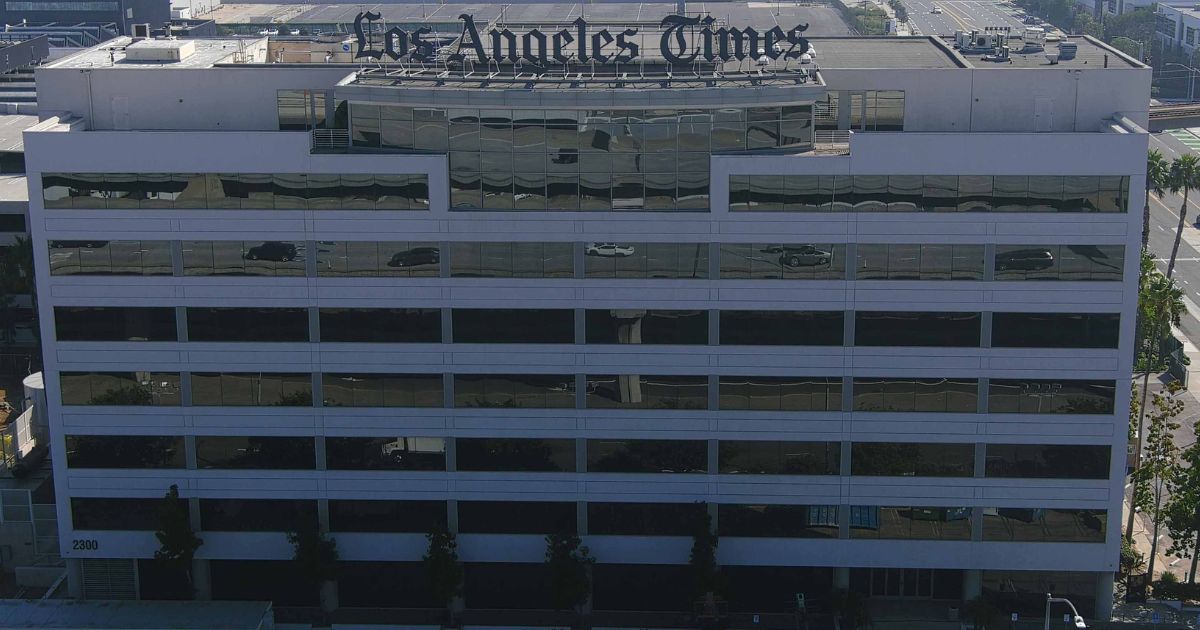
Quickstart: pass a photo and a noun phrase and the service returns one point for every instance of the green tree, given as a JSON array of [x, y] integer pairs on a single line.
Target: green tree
[[16, 277], [706, 574], [569, 568], [316, 558], [1183, 508], [177, 542], [1183, 177], [1132, 562], [442, 569], [1160, 464], [1158, 171]]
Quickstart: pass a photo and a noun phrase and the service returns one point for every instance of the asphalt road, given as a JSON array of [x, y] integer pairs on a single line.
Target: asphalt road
[[960, 15], [1164, 217]]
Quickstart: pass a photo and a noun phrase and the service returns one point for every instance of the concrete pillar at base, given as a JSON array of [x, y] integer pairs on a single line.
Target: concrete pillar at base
[[74, 578], [972, 584], [201, 580], [841, 578], [1104, 596]]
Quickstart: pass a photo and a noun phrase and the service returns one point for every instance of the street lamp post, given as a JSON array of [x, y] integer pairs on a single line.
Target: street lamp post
[[1050, 599], [1191, 77]]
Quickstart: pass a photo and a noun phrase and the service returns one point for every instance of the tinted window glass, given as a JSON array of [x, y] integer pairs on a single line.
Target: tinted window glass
[[118, 514], [645, 519], [120, 388], [778, 521], [243, 258], [794, 261], [893, 328], [919, 262], [647, 456], [647, 392], [1048, 461], [515, 454], [645, 260], [537, 391], [95, 323], [382, 390], [770, 457], [1059, 262], [781, 393], [959, 395], [512, 260], [903, 459], [396, 259], [914, 523], [247, 324], [385, 453], [1055, 330], [639, 326], [387, 516], [381, 325], [257, 515], [1044, 525], [124, 451], [251, 389], [516, 517], [514, 325], [1050, 396], [781, 328], [276, 453], [117, 258]]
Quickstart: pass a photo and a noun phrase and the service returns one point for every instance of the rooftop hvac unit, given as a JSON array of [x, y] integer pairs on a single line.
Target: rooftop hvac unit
[[141, 31]]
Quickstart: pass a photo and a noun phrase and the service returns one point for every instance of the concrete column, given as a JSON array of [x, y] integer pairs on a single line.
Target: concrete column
[[1104, 596], [972, 584], [714, 403], [848, 329], [714, 261], [580, 259], [851, 260], [74, 578], [447, 325], [985, 329], [989, 261], [580, 326], [310, 259], [841, 578], [176, 258], [202, 579]]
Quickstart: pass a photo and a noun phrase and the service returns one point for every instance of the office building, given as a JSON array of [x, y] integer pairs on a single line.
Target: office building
[[869, 307]]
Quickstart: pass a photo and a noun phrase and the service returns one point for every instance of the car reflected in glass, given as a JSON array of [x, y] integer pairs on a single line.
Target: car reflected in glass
[[415, 256], [272, 250]]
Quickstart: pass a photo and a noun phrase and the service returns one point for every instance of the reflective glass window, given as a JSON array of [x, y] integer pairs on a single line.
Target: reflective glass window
[[497, 325], [1059, 262], [243, 258], [381, 325], [125, 451], [512, 260], [910, 523], [413, 517], [1056, 330], [645, 519], [640, 326], [515, 454], [759, 261], [958, 395], [645, 260], [647, 456], [633, 391], [777, 521], [397, 259], [781, 328], [897, 328], [1044, 525], [516, 517], [1051, 396], [532, 391], [257, 515], [114, 323], [120, 388], [772, 457], [909, 459], [255, 452], [247, 324], [385, 453], [1048, 461], [781, 393], [115, 258], [251, 389], [118, 514], [919, 262], [381, 390]]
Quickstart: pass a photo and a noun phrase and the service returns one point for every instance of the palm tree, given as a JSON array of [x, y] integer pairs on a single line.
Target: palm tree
[[1184, 176], [1157, 172], [1160, 304]]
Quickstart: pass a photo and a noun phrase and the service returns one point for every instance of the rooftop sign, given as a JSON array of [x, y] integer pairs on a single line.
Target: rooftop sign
[[684, 40]]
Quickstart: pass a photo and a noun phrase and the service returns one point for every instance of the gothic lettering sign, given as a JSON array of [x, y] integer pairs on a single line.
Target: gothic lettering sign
[[684, 40]]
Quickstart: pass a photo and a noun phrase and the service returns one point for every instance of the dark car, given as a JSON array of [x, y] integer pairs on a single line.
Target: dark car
[[1025, 260], [272, 250], [799, 255], [83, 244], [415, 256]]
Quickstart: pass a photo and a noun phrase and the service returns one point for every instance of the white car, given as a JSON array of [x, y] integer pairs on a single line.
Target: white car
[[608, 250], [936, 10]]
